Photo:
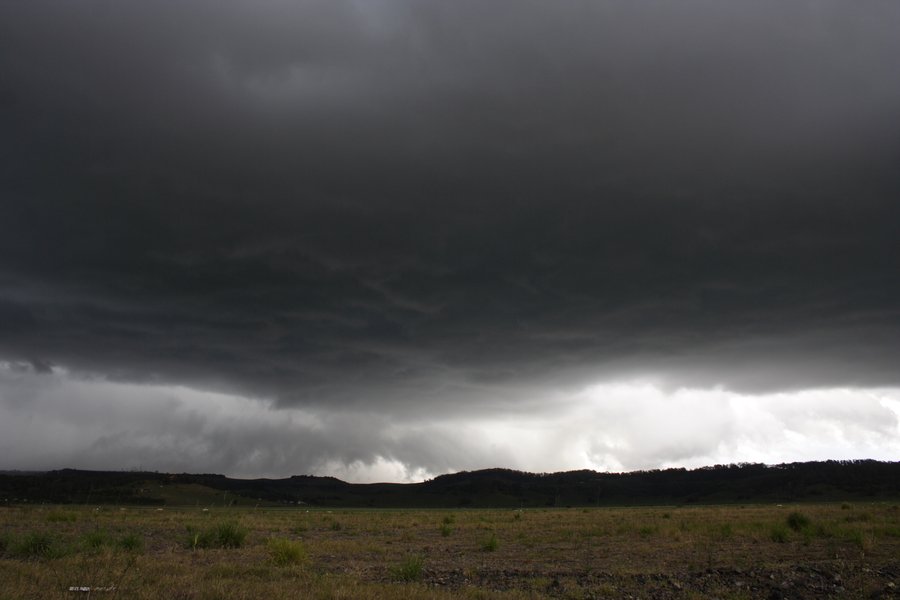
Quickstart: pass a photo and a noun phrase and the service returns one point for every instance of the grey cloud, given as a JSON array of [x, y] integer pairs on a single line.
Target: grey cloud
[[413, 206], [53, 420], [15, 317], [90, 423]]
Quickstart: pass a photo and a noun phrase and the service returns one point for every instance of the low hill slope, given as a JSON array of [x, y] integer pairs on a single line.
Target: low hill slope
[[809, 481]]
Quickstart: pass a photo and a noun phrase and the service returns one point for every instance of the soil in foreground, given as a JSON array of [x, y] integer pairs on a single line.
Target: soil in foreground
[[754, 551]]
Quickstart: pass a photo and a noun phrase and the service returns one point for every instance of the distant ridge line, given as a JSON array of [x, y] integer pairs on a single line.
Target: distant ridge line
[[831, 480]]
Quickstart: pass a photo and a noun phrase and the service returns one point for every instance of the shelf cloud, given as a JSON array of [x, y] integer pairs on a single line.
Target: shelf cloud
[[420, 226]]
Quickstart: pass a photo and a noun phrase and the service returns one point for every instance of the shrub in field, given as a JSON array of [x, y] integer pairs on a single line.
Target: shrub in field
[[797, 521], [858, 517], [286, 552], [37, 545], [230, 535], [94, 540], [889, 531], [336, 526], [864, 541], [823, 532], [446, 530], [131, 542], [724, 531], [198, 539], [59, 516], [409, 570], [779, 534], [224, 535], [490, 544]]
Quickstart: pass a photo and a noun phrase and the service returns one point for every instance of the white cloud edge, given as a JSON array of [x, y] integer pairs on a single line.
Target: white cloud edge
[[54, 420]]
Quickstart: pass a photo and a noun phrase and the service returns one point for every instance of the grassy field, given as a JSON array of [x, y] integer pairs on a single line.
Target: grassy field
[[754, 551]]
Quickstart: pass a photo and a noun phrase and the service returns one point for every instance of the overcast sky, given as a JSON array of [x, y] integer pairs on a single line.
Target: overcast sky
[[385, 239]]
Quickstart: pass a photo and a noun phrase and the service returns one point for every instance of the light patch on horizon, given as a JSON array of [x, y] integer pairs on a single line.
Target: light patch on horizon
[[54, 420], [379, 470], [694, 427]]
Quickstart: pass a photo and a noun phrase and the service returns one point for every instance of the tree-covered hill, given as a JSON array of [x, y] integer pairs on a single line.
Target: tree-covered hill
[[745, 483]]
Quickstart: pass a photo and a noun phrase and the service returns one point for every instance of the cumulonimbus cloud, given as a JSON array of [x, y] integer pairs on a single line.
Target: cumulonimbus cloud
[[419, 210]]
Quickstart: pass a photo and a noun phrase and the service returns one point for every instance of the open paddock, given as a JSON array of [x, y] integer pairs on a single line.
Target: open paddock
[[752, 551]]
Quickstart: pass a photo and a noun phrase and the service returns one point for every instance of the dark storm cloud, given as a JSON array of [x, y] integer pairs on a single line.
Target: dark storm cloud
[[388, 204]]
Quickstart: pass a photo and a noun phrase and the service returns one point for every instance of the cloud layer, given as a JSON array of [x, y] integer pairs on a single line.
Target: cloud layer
[[419, 210], [52, 420]]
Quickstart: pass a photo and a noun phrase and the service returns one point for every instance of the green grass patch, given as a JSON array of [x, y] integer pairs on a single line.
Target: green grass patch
[[409, 570], [862, 540], [779, 533], [797, 521], [130, 542], [228, 534], [858, 518], [61, 516], [284, 552], [37, 545], [724, 531], [94, 540], [490, 543], [891, 531]]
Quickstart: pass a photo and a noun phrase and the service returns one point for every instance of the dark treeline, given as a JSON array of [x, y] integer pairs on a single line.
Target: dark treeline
[[745, 483]]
